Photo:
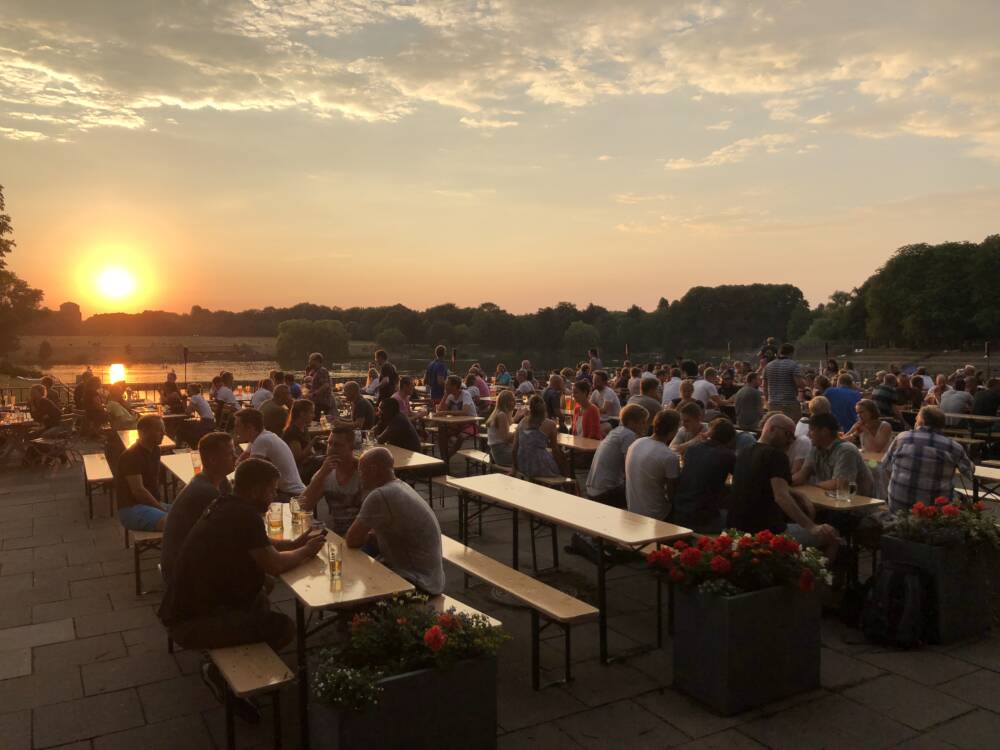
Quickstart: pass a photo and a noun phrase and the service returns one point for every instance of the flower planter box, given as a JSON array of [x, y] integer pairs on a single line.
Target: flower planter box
[[440, 709], [739, 652], [960, 588]]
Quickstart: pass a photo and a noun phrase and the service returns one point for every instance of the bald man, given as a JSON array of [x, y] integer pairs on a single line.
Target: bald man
[[400, 522], [762, 497]]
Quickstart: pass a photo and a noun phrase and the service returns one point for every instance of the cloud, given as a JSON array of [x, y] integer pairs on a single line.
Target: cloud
[[736, 152], [605, 157], [123, 64]]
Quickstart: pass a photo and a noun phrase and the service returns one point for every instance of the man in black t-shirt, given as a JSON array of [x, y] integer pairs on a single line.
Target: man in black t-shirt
[[388, 378], [761, 495], [986, 401], [137, 486], [217, 462]]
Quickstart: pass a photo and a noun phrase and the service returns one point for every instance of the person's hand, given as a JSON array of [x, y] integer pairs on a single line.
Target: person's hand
[[314, 544], [826, 533]]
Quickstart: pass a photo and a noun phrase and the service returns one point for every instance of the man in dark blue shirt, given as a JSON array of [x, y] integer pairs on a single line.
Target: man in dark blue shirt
[[436, 375]]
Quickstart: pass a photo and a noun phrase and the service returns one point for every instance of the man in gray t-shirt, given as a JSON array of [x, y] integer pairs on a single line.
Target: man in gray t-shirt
[[749, 404], [606, 479], [404, 526], [832, 459]]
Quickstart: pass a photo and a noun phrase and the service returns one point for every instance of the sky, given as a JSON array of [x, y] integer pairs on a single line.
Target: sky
[[238, 154]]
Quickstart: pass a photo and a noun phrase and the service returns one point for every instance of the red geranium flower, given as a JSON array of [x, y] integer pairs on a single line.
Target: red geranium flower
[[720, 565], [980, 505], [950, 510], [745, 541], [434, 638], [807, 580], [723, 544], [704, 542], [765, 536], [446, 620], [677, 575], [690, 557], [680, 544], [917, 508], [941, 501], [359, 621]]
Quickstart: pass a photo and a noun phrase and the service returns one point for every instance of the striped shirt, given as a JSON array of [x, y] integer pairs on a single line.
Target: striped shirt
[[920, 465], [779, 377]]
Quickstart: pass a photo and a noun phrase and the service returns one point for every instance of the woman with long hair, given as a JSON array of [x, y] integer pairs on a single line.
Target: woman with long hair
[[498, 434], [296, 435], [870, 432], [536, 450]]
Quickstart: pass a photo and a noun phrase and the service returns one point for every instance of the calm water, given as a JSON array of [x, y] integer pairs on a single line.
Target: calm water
[[145, 372]]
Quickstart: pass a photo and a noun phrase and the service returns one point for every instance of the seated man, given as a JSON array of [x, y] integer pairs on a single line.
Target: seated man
[[275, 410], [606, 400], [405, 529], [843, 398], [216, 597], [701, 491], [921, 463], [217, 462], [362, 412], [651, 468], [394, 428], [606, 479], [692, 431], [762, 497], [647, 397], [456, 401], [265, 444], [832, 460], [338, 481], [224, 393], [137, 479]]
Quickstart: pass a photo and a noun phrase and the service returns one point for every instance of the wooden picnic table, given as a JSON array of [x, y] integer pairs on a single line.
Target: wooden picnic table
[[986, 481], [363, 580], [572, 444], [819, 497], [450, 423], [603, 522], [129, 438]]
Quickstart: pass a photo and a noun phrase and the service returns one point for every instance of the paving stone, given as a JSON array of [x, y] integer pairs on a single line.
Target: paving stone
[[81, 651], [12, 617], [67, 574], [28, 636], [982, 653], [924, 742], [928, 667], [84, 605], [908, 702], [595, 684], [979, 730], [543, 737], [129, 671], [15, 583], [87, 717], [15, 663], [981, 688], [180, 696], [519, 706], [128, 600], [687, 714], [114, 621], [838, 670], [831, 722], [27, 542], [103, 584], [620, 724], [37, 690], [731, 739], [15, 730], [188, 732]]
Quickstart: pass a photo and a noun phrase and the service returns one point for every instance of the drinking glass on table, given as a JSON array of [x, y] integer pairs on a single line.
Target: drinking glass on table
[[275, 523], [196, 462], [335, 556], [842, 490], [852, 490]]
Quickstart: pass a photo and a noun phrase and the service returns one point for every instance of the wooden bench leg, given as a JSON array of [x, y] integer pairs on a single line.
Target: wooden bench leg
[[230, 729], [659, 612], [536, 637], [277, 719], [138, 570], [566, 630], [90, 499]]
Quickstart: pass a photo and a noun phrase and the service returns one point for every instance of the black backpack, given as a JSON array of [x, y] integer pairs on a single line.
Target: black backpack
[[897, 610]]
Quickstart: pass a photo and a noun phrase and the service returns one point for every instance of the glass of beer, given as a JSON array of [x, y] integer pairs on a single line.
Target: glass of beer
[[196, 462], [275, 523], [334, 554]]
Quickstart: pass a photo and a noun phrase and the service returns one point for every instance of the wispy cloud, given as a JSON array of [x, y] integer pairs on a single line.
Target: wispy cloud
[[736, 152]]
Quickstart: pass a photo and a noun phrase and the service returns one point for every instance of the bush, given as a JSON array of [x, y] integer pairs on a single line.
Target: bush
[[298, 338]]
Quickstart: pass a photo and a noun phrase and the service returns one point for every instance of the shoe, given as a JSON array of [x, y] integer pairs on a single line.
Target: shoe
[[242, 707]]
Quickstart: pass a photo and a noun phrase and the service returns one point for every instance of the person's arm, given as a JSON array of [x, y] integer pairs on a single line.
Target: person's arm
[[357, 535], [283, 545], [314, 490], [681, 447], [883, 437], [553, 432], [514, 451], [140, 494], [295, 446], [275, 562], [794, 510], [804, 471], [245, 454], [965, 467]]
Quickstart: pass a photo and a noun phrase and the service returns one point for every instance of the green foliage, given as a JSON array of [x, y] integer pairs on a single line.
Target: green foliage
[[297, 339], [578, 338], [391, 339], [399, 635], [18, 301]]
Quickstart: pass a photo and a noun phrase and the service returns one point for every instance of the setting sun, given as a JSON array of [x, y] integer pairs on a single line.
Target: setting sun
[[116, 283]]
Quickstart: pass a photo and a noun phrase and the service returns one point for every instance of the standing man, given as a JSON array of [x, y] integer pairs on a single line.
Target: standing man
[[782, 383], [388, 378], [437, 373], [320, 388], [137, 479], [595, 360]]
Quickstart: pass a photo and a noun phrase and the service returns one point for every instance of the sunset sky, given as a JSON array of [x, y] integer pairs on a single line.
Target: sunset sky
[[244, 154]]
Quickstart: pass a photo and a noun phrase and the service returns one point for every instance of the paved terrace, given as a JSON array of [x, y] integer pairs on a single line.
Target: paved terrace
[[83, 661]]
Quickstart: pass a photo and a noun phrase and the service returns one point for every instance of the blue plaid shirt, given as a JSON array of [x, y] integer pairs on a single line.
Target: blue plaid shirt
[[921, 465]]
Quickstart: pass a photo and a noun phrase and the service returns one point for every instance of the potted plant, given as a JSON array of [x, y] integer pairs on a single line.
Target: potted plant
[[408, 676], [746, 617], [954, 544]]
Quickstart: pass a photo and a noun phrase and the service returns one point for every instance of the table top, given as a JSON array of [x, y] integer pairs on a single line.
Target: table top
[[180, 465], [447, 418], [363, 578], [980, 418], [619, 526], [989, 473], [573, 442], [820, 499], [403, 460], [129, 438]]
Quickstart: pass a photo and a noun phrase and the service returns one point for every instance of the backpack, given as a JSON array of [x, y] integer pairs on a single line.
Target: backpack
[[897, 610]]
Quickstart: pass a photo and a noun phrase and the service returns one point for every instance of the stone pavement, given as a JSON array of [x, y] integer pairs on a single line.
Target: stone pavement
[[83, 660]]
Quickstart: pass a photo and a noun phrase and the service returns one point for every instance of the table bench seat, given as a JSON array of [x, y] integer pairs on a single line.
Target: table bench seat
[[97, 474], [248, 670]]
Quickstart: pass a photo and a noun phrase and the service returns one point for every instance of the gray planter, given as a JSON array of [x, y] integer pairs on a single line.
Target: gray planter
[[433, 709], [739, 652], [960, 595]]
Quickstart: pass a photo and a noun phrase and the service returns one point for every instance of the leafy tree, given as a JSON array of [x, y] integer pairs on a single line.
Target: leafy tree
[[391, 339], [578, 338], [18, 301], [297, 339], [438, 332]]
